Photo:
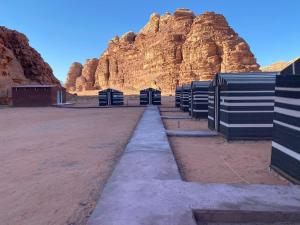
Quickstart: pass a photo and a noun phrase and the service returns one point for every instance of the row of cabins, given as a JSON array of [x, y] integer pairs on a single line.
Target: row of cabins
[[252, 106], [48, 95], [110, 96], [193, 98]]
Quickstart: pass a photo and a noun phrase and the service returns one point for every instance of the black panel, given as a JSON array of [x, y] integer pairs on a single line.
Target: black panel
[[287, 137], [254, 94], [211, 124], [287, 119], [250, 87], [253, 133], [247, 108], [288, 81], [246, 118], [286, 163]]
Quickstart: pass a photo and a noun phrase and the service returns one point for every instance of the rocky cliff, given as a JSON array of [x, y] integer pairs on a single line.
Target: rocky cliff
[[170, 50], [20, 64]]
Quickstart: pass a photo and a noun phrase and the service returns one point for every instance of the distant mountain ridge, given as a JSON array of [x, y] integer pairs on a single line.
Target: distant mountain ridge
[[277, 66]]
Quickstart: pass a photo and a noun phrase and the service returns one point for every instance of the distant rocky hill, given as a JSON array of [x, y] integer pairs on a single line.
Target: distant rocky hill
[[169, 50], [20, 64], [277, 66]]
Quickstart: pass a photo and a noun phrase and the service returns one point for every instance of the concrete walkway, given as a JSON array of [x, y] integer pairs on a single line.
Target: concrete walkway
[[146, 189]]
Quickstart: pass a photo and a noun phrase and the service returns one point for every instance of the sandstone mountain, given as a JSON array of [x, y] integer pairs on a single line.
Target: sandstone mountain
[[169, 50], [20, 64]]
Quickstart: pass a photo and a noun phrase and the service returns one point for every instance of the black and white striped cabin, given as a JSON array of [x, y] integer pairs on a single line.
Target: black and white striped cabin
[[244, 104], [185, 97], [177, 96], [199, 99], [211, 106], [286, 135], [110, 97], [150, 96]]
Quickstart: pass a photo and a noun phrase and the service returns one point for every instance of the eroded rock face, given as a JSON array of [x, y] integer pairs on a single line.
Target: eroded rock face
[[86, 80], [212, 46], [20, 64], [74, 72], [173, 49]]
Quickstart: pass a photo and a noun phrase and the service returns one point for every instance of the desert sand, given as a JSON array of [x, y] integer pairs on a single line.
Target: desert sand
[[214, 160], [54, 162]]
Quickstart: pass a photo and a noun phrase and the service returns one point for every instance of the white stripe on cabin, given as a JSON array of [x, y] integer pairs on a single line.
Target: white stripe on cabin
[[198, 110], [200, 95], [199, 103], [254, 111], [260, 125], [287, 125], [286, 89], [210, 118], [289, 112], [247, 98], [251, 82], [248, 104], [247, 91], [286, 150], [290, 101], [200, 99]]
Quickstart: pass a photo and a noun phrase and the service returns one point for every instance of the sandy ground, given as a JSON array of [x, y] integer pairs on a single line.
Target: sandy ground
[[168, 102], [183, 124], [214, 160], [54, 162]]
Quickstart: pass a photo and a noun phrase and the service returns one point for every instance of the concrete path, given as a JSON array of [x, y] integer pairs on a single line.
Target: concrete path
[[146, 189]]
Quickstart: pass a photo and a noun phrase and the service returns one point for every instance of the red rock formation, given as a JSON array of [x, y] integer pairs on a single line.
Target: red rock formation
[[86, 80], [173, 49], [20, 63], [74, 72]]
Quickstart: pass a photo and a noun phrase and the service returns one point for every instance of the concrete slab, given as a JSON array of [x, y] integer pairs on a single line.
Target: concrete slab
[[139, 166], [146, 189], [191, 133]]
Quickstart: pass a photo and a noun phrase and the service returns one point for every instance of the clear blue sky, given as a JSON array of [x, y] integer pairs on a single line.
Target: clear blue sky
[[67, 31]]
